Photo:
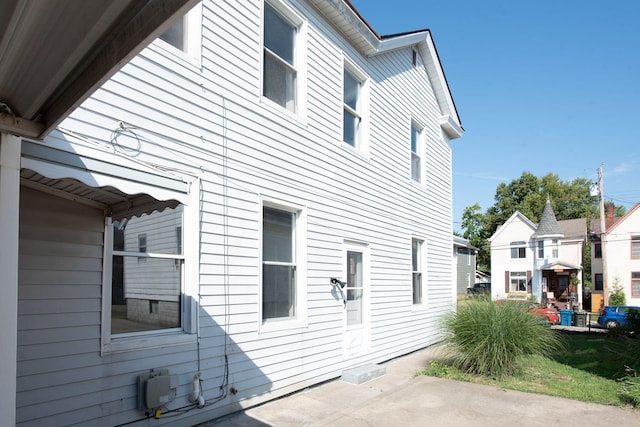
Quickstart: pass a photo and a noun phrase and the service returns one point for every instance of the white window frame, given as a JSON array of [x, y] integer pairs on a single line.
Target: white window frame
[[423, 270], [635, 247], [300, 25], [420, 271], [554, 248], [299, 320], [192, 49], [517, 275], [517, 246], [361, 142], [187, 331], [416, 130]]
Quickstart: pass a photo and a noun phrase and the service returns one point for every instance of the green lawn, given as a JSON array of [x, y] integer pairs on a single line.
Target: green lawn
[[589, 368]]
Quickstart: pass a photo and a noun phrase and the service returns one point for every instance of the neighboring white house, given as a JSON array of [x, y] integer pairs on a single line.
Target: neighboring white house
[[189, 228], [543, 261], [622, 254]]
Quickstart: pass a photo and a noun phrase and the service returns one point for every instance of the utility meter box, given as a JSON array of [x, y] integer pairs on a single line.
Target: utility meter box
[[156, 389]]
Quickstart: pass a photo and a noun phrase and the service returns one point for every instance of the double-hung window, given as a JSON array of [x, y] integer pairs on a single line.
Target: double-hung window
[[280, 68], [554, 248], [598, 282], [283, 293], [416, 270], [540, 249], [352, 117], [597, 250], [278, 264], [635, 247], [354, 106], [518, 250], [635, 284], [416, 163]]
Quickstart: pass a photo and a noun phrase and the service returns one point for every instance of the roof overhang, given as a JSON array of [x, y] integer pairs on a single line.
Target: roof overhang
[[55, 54], [346, 19], [560, 265]]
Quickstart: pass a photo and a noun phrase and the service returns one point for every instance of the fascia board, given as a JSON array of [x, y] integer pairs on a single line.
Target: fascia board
[[624, 217]]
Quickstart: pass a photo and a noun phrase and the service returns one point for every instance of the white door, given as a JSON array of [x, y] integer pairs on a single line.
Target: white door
[[355, 338]]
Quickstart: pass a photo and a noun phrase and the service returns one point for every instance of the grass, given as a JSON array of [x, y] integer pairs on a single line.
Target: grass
[[588, 367]]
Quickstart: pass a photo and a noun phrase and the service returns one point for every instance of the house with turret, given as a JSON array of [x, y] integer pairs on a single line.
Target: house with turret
[[542, 261]]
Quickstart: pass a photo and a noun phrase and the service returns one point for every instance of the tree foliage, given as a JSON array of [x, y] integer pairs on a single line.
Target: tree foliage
[[528, 195]]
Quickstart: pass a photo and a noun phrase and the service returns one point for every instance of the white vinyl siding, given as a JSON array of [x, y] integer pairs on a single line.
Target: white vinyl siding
[[248, 151]]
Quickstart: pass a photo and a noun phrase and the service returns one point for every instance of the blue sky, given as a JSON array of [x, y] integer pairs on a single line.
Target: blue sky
[[541, 86]]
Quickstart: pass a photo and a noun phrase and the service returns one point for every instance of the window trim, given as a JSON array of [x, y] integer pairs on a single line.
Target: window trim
[[417, 269], [422, 254], [519, 246], [540, 251], [419, 153], [634, 239], [192, 51], [187, 332], [299, 23], [597, 250], [300, 256], [637, 280], [517, 275], [597, 288], [361, 143]]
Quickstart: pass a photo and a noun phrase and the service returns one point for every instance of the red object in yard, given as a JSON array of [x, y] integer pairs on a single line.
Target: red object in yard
[[551, 314]]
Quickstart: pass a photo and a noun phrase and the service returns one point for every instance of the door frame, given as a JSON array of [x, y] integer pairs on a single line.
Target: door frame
[[359, 333]]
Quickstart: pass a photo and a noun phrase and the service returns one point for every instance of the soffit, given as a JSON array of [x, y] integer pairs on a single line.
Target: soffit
[[54, 54]]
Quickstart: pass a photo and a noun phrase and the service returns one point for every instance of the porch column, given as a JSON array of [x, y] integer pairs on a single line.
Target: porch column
[[9, 209]]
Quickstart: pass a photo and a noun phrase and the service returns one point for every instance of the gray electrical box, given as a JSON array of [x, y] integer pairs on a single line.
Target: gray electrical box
[[156, 389]]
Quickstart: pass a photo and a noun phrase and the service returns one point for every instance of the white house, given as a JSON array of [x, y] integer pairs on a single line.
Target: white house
[[257, 202], [622, 254], [543, 261]]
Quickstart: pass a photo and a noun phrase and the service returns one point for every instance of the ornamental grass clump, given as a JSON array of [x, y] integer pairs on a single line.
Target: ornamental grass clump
[[486, 338]]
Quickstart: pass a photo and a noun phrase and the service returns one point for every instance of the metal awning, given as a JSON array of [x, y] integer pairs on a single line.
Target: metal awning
[[120, 186], [54, 54]]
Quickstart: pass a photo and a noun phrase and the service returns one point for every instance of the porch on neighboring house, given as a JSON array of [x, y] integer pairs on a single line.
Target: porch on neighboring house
[[561, 285]]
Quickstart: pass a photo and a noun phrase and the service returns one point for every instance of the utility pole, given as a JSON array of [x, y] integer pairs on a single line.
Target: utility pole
[[603, 231]]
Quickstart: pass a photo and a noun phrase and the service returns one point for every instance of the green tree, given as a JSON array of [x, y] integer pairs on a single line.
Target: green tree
[[528, 195], [617, 296], [473, 230]]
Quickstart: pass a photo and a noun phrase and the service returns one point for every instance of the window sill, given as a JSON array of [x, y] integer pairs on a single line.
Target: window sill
[[138, 342], [418, 184], [356, 151], [275, 325], [298, 118], [168, 51], [419, 307]]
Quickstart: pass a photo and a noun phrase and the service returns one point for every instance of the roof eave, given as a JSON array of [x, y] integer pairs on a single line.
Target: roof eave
[[346, 19]]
